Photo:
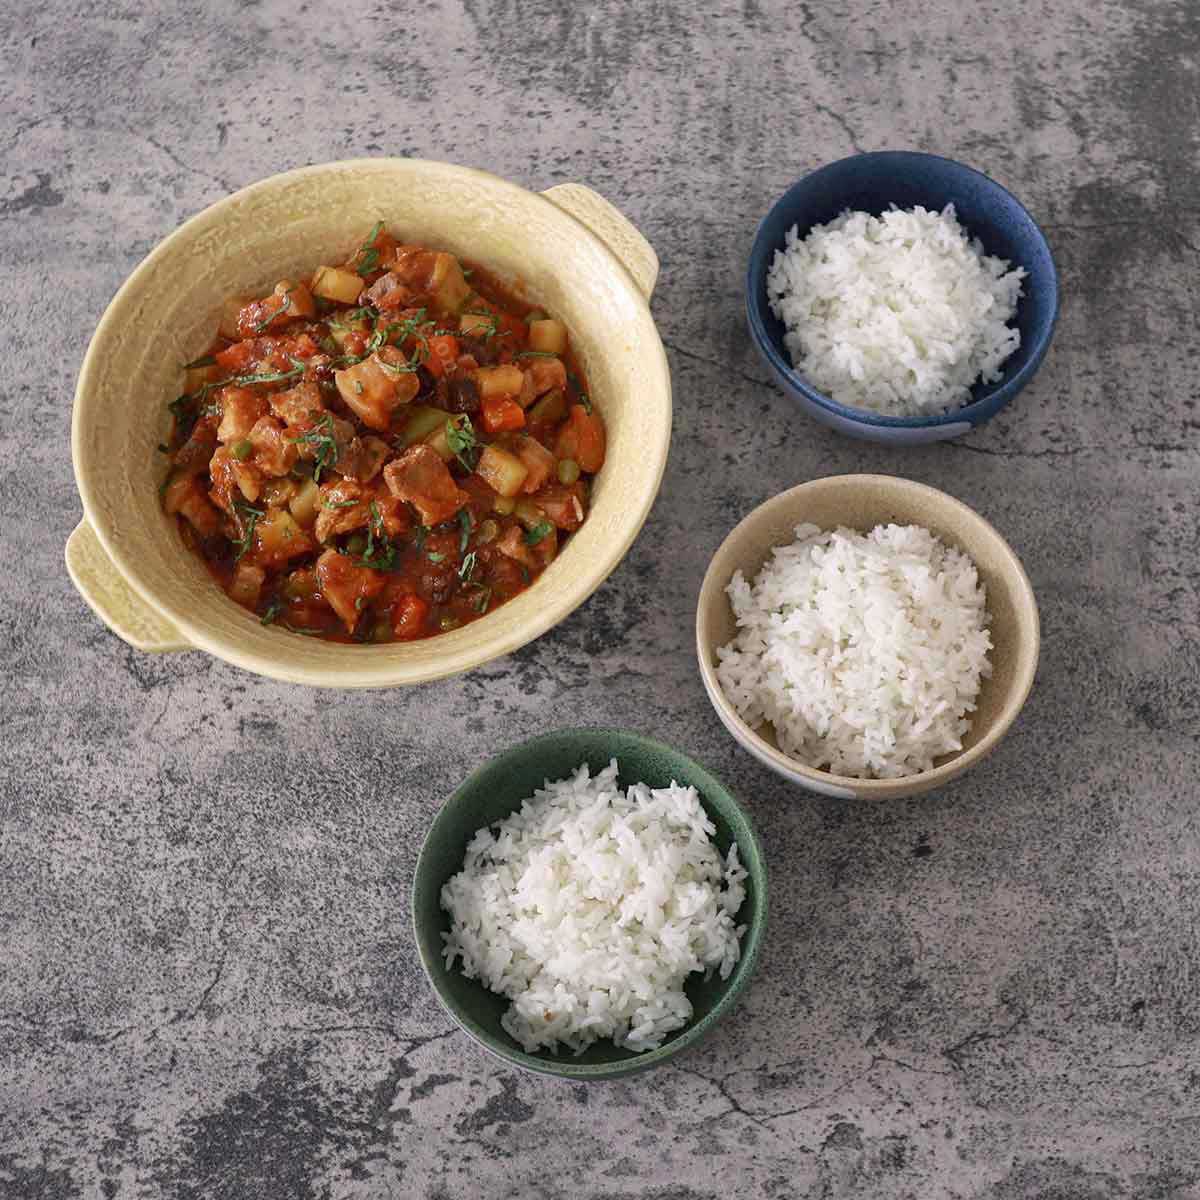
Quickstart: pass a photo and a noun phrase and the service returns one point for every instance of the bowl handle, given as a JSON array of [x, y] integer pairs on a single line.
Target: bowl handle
[[113, 600], [614, 230]]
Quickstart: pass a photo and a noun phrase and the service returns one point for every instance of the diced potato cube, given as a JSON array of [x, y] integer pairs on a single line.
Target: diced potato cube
[[340, 329], [548, 337], [499, 381], [246, 585], [306, 504], [502, 471], [448, 287], [277, 537], [421, 422], [337, 284], [439, 440], [476, 322]]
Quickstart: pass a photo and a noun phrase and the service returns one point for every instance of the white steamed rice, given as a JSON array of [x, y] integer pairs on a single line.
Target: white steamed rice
[[900, 314], [591, 906], [865, 653]]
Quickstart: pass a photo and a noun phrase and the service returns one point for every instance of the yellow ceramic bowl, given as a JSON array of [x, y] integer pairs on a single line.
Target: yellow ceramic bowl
[[862, 502], [569, 251]]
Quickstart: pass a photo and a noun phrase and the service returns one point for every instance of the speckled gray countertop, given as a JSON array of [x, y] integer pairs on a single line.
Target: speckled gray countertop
[[208, 988]]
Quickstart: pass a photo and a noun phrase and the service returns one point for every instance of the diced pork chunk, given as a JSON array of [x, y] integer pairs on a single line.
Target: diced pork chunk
[[375, 387], [421, 477], [274, 454], [363, 458], [346, 586], [240, 408], [547, 374], [297, 405]]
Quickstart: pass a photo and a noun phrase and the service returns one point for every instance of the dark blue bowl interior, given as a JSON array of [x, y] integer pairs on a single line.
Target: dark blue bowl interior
[[876, 182]]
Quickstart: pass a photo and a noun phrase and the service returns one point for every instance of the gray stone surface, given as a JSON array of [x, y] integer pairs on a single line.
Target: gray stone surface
[[207, 985]]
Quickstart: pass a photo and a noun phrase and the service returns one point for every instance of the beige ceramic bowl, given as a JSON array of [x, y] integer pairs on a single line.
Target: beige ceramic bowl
[[569, 251], [862, 502]]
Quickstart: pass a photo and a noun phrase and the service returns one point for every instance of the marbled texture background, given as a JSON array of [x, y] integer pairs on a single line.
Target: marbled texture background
[[207, 984]]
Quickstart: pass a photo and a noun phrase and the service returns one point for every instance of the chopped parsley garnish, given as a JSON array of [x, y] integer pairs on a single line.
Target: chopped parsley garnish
[[467, 522], [537, 354], [587, 404], [273, 610], [378, 555], [320, 438], [539, 532], [435, 557], [248, 518], [468, 567], [460, 437], [368, 252], [483, 599], [278, 312], [338, 503]]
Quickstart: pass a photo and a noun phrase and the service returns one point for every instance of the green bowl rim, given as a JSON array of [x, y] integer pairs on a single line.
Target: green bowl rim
[[756, 922]]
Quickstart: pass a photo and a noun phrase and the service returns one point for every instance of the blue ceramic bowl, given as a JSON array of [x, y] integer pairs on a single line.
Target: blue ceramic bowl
[[873, 183]]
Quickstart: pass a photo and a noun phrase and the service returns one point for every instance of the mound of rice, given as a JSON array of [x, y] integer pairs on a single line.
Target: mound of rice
[[900, 314], [589, 908], [864, 653]]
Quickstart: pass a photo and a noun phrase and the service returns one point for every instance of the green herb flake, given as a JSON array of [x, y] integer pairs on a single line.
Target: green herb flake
[[320, 438], [539, 532], [435, 557], [537, 354], [368, 252], [460, 437], [467, 523], [272, 611], [248, 517], [468, 567], [483, 599], [338, 503]]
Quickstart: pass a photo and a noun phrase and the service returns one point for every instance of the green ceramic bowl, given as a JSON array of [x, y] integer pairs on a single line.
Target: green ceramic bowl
[[493, 792]]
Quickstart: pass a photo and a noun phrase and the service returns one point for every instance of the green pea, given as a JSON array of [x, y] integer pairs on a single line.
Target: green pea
[[242, 450], [568, 471]]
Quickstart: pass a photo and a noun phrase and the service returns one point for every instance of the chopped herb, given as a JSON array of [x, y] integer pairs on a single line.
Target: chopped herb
[[298, 369], [587, 404], [468, 567], [435, 557], [339, 503], [328, 345], [368, 252], [248, 518], [278, 312], [460, 437], [360, 602], [320, 438], [537, 354], [301, 629], [483, 599], [468, 523], [205, 360], [273, 610], [381, 556], [467, 272], [242, 450], [419, 535], [358, 387], [541, 531], [525, 573]]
